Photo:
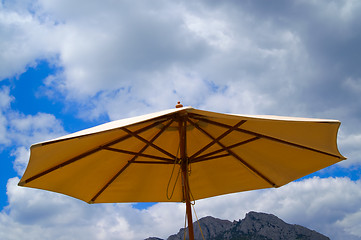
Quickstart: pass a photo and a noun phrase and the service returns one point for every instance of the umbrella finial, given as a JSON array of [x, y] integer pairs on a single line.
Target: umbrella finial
[[179, 105]]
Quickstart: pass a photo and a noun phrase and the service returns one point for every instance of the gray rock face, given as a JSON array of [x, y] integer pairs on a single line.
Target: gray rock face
[[211, 227], [255, 226], [267, 226]]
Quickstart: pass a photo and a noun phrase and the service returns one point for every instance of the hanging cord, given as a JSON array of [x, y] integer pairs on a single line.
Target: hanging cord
[[194, 210], [185, 223], [171, 176], [189, 190]]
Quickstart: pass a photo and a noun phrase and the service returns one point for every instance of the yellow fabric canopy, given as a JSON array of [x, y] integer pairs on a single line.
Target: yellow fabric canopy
[[138, 159]]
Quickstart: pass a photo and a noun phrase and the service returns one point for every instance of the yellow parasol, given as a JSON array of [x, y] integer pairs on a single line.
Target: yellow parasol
[[181, 154]]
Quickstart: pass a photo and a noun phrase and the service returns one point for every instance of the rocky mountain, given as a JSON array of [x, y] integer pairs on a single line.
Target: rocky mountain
[[255, 226]]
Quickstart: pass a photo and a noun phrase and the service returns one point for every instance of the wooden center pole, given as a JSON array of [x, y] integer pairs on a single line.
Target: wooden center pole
[[184, 167]]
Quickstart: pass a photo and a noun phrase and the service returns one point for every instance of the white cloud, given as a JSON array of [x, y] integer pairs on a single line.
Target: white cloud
[[350, 144], [348, 223], [353, 85], [113, 49], [5, 100], [18, 131], [320, 204], [33, 213], [315, 203], [151, 61], [22, 155], [112, 46], [28, 129], [24, 39], [211, 28], [150, 55], [24, 130]]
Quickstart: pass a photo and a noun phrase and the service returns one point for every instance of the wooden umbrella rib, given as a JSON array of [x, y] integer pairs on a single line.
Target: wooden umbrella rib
[[151, 162], [200, 158], [148, 143], [210, 157], [287, 142], [60, 165], [247, 165], [90, 152], [252, 169], [269, 138], [211, 121], [111, 180], [215, 140], [139, 154]]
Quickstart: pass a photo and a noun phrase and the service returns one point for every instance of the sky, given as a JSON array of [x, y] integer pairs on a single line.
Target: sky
[[68, 65]]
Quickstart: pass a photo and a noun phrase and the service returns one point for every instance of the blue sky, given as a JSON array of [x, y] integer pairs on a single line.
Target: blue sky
[[67, 66]]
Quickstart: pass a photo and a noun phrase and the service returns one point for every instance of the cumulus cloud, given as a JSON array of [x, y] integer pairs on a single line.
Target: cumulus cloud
[[33, 213], [28, 129], [21, 155], [153, 55], [351, 144], [20, 131], [112, 50], [315, 203], [348, 223], [25, 38], [24, 130], [5, 100], [143, 55]]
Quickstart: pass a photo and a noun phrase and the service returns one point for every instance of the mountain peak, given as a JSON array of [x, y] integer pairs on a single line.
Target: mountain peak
[[255, 226], [211, 227], [268, 226]]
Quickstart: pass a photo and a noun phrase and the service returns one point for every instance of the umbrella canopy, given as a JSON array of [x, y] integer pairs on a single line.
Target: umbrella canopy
[[140, 159], [132, 160]]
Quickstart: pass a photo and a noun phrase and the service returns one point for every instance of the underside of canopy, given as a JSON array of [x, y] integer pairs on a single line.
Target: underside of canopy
[[138, 159]]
